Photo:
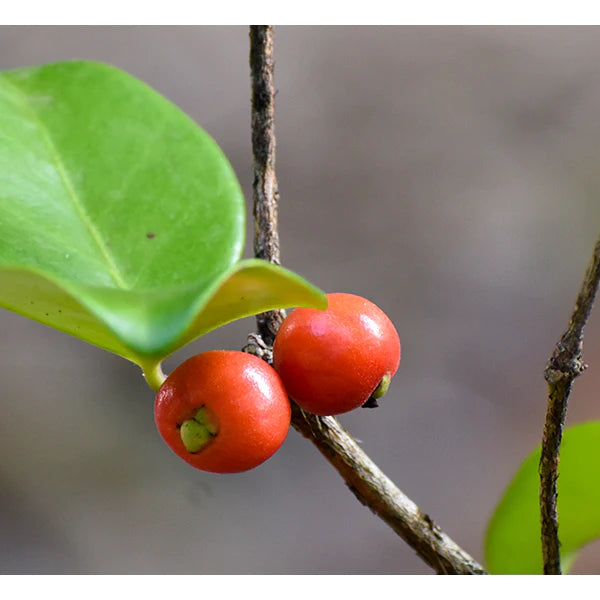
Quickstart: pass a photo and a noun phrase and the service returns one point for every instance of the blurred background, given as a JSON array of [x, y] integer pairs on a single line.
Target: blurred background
[[449, 174]]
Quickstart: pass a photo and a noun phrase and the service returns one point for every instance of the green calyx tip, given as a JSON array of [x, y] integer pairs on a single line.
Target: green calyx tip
[[382, 388], [197, 432]]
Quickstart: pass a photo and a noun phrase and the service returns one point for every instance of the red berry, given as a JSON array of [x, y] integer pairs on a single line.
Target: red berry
[[223, 411], [333, 361]]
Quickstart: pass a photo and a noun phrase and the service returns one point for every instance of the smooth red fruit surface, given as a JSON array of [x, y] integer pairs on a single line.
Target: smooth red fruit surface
[[241, 397], [332, 361]]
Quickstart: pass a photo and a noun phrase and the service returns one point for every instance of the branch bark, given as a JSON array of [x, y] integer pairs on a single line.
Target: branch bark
[[376, 491], [265, 187], [367, 482], [564, 365]]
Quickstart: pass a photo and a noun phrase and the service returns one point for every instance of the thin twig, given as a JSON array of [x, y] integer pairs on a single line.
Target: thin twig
[[368, 483], [265, 188], [565, 364], [376, 491]]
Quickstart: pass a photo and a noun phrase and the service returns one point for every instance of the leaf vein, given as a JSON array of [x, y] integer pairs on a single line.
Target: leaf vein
[[69, 188]]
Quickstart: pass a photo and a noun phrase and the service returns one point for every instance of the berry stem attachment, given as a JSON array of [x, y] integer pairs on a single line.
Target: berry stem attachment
[[153, 374]]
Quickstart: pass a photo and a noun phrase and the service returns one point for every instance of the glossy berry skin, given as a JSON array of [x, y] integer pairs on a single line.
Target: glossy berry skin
[[244, 401], [331, 361]]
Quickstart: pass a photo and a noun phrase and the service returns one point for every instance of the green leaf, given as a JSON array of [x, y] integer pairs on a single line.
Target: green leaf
[[513, 543], [121, 220]]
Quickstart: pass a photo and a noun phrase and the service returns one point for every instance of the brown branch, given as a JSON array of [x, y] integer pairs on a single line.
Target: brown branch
[[265, 188], [376, 491], [368, 483], [565, 364]]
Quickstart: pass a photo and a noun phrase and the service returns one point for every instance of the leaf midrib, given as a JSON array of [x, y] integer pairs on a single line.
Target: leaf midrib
[[113, 269]]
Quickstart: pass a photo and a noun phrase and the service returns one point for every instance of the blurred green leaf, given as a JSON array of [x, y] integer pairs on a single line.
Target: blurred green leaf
[[121, 220], [513, 543]]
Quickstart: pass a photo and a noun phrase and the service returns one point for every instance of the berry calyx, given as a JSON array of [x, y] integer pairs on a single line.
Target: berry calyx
[[384, 385], [379, 392], [197, 432]]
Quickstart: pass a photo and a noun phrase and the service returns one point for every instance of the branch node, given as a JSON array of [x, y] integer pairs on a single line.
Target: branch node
[[568, 370], [257, 346]]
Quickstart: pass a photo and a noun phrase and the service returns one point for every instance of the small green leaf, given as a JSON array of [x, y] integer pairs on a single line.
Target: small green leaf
[[513, 543], [121, 220]]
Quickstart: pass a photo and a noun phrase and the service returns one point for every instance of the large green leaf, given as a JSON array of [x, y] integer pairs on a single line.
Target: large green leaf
[[121, 220], [513, 538]]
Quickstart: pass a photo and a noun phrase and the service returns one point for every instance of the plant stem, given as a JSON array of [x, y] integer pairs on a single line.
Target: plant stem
[[564, 365], [376, 491], [153, 373], [367, 482], [265, 187]]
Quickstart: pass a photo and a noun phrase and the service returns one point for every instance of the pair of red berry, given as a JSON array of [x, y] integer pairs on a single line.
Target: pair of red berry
[[227, 411]]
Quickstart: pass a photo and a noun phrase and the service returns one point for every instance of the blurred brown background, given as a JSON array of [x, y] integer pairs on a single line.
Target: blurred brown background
[[450, 174]]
